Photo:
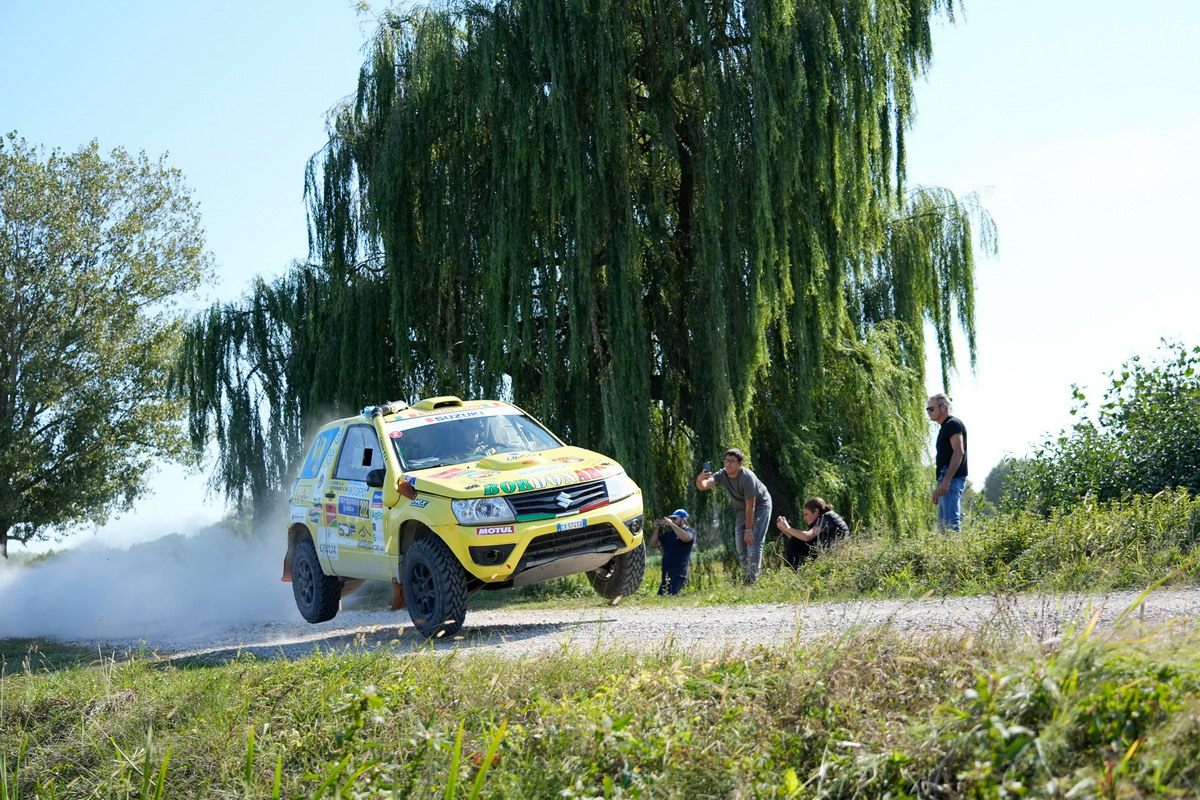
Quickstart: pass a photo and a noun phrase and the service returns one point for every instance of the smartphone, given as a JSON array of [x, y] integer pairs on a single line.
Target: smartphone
[[707, 466]]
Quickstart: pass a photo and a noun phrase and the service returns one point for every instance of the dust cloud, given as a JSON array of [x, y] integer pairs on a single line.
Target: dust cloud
[[179, 586]]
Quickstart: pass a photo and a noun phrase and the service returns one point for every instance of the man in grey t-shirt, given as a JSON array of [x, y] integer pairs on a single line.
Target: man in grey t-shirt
[[753, 504]]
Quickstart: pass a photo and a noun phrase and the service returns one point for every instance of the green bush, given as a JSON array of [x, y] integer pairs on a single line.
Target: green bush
[[1144, 438]]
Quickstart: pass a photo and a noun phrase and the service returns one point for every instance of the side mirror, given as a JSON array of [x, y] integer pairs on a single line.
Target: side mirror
[[375, 478]]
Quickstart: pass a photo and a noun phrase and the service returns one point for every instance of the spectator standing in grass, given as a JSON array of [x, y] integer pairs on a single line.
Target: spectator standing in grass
[[824, 525], [676, 540], [950, 462], [752, 502]]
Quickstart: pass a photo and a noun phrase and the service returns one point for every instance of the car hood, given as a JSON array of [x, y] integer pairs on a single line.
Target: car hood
[[514, 473]]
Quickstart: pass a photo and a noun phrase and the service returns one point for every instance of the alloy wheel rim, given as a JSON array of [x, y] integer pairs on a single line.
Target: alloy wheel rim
[[424, 595], [304, 579]]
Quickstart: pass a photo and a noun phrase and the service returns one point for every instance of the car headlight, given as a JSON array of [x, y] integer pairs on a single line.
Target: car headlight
[[619, 487], [482, 511]]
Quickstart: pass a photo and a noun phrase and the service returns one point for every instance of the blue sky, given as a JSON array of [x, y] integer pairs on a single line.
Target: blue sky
[[1076, 122]]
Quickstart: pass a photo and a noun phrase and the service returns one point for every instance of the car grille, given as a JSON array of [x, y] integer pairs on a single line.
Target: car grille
[[560, 500], [548, 547]]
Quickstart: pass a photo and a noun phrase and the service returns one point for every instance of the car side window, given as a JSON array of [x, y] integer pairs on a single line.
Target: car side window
[[317, 453], [360, 454]]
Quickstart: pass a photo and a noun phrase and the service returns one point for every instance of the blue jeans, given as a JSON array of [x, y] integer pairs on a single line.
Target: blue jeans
[[751, 554], [675, 566], [949, 512]]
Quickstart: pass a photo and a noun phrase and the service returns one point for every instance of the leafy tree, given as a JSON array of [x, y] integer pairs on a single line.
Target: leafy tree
[[1143, 438], [996, 484], [665, 228], [94, 250]]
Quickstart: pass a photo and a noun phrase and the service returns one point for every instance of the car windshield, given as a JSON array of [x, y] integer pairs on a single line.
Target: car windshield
[[458, 441]]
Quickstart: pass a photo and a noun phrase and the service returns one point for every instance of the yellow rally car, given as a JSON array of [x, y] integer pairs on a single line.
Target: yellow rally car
[[447, 497]]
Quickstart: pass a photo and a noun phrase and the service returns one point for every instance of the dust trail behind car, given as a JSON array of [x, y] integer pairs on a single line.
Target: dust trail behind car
[[186, 587]]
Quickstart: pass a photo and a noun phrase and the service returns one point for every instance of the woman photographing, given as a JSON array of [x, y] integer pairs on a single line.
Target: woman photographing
[[824, 526]]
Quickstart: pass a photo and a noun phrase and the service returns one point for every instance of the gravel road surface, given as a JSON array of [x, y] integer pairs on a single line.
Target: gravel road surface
[[520, 632]]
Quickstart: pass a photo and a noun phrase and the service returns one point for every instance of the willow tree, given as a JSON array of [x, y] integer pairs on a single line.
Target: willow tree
[[663, 226]]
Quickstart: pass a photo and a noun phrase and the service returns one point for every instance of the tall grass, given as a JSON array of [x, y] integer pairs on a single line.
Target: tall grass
[[863, 715], [1096, 547]]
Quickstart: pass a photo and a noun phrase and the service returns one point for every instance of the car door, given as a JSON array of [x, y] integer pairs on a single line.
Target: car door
[[358, 508]]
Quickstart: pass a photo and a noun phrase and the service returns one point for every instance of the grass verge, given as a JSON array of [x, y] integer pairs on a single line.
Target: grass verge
[[863, 715]]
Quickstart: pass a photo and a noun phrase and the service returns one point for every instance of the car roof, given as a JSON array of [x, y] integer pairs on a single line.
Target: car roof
[[428, 407]]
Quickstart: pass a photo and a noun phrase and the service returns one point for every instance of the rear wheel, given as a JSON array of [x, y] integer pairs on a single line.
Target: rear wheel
[[317, 595], [435, 588], [621, 576]]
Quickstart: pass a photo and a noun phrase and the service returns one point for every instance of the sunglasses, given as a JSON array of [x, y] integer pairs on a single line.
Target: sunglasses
[[931, 408]]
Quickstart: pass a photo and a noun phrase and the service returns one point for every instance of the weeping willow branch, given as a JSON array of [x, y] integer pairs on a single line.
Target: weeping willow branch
[[665, 227]]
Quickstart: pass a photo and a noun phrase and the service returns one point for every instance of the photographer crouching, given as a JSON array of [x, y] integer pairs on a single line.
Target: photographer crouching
[[676, 539]]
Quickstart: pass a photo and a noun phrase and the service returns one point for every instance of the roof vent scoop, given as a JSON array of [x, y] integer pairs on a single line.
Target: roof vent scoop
[[430, 403]]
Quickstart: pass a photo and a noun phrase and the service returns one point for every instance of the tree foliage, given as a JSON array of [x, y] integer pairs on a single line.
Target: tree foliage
[[997, 485], [1142, 438], [94, 250], [665, 228]]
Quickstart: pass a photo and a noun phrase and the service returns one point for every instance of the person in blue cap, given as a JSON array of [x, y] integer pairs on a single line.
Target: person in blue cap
[[676, 539]]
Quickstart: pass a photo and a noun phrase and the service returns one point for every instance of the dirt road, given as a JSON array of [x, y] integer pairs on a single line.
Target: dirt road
[[516, 632]]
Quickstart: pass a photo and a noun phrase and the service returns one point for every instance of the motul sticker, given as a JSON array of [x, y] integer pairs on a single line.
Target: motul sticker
[[496, 529]]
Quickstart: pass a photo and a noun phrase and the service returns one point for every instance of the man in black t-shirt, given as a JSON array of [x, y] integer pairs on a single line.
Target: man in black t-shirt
[[950, 462]]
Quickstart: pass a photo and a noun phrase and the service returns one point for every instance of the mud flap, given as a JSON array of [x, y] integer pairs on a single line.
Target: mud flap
[[287, 569], [397, 596]]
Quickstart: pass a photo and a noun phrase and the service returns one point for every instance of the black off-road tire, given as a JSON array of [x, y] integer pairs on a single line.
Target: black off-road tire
[[318, 596], [622, 576], [435, 588]]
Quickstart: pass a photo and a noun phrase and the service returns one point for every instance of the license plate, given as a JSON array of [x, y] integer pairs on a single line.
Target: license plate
[[566, 526]]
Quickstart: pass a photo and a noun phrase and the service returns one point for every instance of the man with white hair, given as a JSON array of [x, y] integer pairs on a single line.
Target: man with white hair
[[950, 462]]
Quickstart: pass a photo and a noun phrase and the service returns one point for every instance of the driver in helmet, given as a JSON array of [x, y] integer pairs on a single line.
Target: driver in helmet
[[476, 443]]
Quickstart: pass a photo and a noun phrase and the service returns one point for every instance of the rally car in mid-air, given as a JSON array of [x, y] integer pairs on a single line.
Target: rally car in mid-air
[[447, 497]]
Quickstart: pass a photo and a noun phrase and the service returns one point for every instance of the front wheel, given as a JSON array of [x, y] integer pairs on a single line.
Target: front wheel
[[621, 576], [318, 595], [435, 588]]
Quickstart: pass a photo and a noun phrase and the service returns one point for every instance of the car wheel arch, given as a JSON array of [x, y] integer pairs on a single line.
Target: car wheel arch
[[411, 531], [297, 532]]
